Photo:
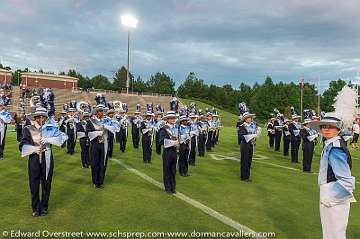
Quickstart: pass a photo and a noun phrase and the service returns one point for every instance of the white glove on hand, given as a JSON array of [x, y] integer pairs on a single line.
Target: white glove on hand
[[43, 141]]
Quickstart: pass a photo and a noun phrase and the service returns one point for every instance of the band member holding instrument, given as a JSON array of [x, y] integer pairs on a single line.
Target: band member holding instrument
[[36, 143], [110, 115], [184, 149], [295, 138], [83, 137], [211, 132], [217, 126], [278, 124], [70, 127], [286, 137], [238, 124], [98, 129], [248, 134], [123, 133], [135, 127], [308, 136], [203, 134], [19, 119], [159, 123], [147, 131], [271, 132], [5, 119], [170, 140], [194, 134]]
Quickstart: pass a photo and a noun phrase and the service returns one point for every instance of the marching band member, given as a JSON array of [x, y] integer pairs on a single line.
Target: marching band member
[[159, 123], [83, 137], [308, 144], [135, 127], [184, 138], [123, 133], [27, 121], [110, 115], [174, 104], [217, 126], [99, 128], [170, 140], [147, 130], [36, 143], [194, 134], [211, 131], [70, 128], [295, 138], [61, 122], [248, 133], [335, 179], [286, 137], [238, 124], [203, 134], [355, 132], [278, 124], [271, 132], [19, 119], [5, 119]]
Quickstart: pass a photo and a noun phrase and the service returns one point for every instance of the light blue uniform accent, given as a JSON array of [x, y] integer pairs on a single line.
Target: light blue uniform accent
[[340, 191]]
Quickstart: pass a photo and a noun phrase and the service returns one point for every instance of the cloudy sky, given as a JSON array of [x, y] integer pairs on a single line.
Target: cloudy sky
[[222, 41]]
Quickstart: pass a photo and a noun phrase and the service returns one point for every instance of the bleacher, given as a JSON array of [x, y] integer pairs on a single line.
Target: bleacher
[[63, 96]]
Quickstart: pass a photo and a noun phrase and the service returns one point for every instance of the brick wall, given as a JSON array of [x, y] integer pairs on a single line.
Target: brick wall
[[46, 83], [2, 78]]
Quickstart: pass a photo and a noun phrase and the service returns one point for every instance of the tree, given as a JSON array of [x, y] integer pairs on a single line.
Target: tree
[[83, 82], [16, 77], [262, 101], [120, 79], [161, 83], [329, 95], [193, 88], [139, 85], [101, 82], [5, 67]]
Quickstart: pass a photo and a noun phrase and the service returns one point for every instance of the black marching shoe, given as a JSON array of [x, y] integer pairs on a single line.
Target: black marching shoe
[[35, 214], [44, 212]]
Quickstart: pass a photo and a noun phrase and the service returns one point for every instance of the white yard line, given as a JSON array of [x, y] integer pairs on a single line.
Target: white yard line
[[257, 158], [211, 212]]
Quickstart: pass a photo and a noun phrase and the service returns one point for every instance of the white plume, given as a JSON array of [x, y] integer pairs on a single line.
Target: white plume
[[345, 106]]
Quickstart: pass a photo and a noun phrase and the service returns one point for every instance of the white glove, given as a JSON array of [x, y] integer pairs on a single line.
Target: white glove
[[43, 141]]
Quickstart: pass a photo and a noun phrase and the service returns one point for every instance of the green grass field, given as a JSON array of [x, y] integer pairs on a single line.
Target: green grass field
[[277, 200]]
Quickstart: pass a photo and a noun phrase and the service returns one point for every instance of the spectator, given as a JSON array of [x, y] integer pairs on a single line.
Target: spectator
[[355, 132]]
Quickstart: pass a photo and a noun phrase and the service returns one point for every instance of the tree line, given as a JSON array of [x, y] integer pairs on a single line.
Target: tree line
[[261, 98]]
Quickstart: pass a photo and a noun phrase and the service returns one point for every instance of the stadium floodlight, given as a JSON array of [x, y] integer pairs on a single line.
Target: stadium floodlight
[[129, 21]]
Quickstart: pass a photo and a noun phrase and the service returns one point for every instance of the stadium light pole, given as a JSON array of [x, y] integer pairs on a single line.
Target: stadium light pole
[[130, 22]]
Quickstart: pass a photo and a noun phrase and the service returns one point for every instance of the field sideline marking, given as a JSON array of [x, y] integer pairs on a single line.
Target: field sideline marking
[[224, 219]]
